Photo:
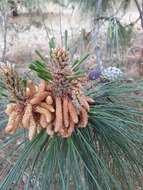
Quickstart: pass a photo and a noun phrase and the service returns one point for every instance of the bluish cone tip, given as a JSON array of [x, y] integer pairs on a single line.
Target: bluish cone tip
[[95, 74]]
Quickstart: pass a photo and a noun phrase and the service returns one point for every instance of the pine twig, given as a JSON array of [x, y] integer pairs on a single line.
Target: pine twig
[[4, 36], [140, 11]]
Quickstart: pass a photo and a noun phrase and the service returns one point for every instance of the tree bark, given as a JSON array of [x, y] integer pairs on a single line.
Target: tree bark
[[140, 9]]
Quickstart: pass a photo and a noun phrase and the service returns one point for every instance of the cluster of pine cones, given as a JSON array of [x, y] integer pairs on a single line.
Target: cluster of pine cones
[[43, 107], [41, 110]]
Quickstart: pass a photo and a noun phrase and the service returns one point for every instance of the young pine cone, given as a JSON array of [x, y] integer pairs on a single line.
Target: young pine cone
[[32, 128], [83, 118], [60, 56], [13, 123], [32, 112], [59, 114]]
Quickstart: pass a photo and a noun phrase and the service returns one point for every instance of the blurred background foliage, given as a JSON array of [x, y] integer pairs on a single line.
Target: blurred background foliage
[[108, 31]]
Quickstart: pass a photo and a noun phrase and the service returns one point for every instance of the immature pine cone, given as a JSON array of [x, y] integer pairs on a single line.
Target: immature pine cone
[[60, 56]]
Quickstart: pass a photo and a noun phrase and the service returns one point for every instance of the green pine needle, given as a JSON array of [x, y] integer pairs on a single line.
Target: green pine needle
[[41, 70], [77, 63]]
